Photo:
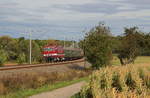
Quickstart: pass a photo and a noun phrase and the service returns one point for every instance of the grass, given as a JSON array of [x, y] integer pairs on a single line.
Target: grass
[[142, 59], [139, 60], [29, 92]]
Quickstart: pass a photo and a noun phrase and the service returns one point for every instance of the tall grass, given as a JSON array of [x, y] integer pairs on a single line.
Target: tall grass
[[131, 81], [21, 81]]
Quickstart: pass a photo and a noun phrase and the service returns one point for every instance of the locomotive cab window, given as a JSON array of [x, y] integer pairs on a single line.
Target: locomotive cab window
[[48, 49]]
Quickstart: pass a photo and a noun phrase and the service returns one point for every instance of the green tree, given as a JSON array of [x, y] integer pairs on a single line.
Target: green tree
[[36, 52], [3, 57], [10, 46], [97, 46], [130, 45], [23, 47], [145, 50]]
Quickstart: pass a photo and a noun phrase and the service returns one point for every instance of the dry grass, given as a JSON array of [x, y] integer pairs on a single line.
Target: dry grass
[[19, 81], [131, 81]]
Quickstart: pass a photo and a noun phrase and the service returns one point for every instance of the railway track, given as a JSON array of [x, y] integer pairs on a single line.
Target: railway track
[[39, 65]]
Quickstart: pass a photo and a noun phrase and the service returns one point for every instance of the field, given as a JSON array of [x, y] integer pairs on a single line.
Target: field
[[139, 60], [130, 81]]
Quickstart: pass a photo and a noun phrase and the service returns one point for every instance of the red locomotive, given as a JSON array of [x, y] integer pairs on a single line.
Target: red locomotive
[[53, 53], [58, 53]]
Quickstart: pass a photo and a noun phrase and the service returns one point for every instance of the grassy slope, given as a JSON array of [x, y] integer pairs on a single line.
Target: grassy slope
[[30, 92]]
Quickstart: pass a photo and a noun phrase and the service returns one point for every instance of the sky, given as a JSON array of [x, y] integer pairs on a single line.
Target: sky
[[70, 19]]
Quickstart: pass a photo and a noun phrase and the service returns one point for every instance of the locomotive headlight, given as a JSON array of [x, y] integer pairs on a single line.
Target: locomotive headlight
[[54, 54]]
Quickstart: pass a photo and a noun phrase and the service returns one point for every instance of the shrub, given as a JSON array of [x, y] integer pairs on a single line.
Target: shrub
[[21, 58], [3, 57]]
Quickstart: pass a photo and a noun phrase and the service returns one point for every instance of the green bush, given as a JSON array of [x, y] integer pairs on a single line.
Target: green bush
[[21, 58], [3, 57]]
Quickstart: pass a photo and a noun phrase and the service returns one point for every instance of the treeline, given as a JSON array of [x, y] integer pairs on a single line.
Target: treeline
[[136, 37], [17, 49], [99, 45]]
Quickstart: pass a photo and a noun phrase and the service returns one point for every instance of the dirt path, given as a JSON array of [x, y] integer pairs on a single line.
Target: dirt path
[[65, 92]]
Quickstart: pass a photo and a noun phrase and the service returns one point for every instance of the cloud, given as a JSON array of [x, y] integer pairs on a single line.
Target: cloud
[[143, 14], [68, 16]]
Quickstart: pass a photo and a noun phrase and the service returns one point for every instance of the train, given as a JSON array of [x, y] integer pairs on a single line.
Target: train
[[55, 53]]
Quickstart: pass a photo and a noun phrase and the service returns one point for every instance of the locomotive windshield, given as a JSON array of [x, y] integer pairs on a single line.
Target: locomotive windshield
[[48, 49]]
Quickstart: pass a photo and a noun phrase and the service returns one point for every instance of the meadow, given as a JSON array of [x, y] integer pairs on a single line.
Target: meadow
[[139, 60]]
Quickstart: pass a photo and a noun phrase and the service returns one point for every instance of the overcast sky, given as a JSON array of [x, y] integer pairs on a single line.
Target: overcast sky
[[59, 18]]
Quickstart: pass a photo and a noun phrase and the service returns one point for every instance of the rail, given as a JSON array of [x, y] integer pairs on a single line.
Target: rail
[[39, 65]]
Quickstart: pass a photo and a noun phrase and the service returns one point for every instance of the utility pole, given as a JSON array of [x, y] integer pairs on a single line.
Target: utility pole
[[64, 42], [73, 42], [84, 50], [84, 54], [30, 48]]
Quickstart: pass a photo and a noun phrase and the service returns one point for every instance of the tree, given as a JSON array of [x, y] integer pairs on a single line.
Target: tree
[[53, 42], [145, 50], [130, 45], [23, 47], [3, 57], [10, 46], [97, 46], [36, 52]]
